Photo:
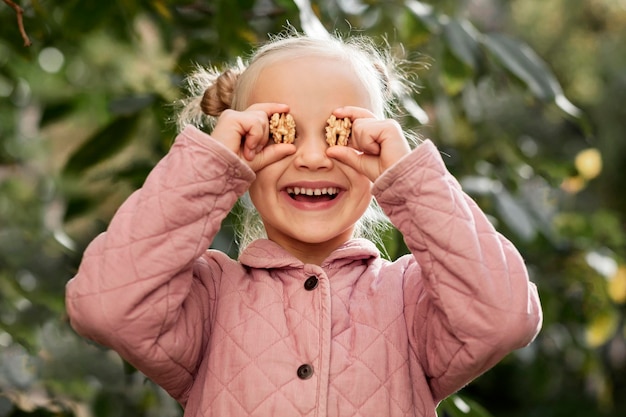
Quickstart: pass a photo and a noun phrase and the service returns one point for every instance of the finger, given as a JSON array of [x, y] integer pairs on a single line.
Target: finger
[[377, 145], [229, 129], [345, 155], [363, 164], [366, 135], [241, 131], [380, 137], [353, 112], [365, 127], [232, 126], [270, 108], [271, 154], [258, 135]]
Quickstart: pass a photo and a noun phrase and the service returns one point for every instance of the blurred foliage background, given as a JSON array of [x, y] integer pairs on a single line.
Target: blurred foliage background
[[525, 97]]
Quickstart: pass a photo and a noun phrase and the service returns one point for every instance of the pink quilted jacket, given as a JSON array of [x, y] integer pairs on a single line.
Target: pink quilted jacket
[[270, 336]]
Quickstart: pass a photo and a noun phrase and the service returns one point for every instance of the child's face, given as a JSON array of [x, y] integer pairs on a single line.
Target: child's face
[[313, 88]]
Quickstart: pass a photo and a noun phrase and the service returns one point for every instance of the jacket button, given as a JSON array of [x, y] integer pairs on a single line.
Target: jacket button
[[311, 283], [305, 371]]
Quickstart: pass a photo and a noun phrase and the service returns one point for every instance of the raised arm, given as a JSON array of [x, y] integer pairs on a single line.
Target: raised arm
[[135, 289], [468, 301]]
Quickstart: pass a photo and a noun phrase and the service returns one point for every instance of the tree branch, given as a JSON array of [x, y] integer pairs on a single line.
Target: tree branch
[[20, 23]]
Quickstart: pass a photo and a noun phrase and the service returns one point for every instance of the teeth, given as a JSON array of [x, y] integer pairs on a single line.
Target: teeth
[[312, 191]]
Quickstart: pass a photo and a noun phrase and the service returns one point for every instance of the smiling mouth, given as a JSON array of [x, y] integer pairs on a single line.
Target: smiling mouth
[[312, 194]]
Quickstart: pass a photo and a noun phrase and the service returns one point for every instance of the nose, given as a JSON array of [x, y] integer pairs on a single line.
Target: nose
[[311, 153]]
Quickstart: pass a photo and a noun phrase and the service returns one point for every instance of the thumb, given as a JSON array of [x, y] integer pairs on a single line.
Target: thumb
[[271, 154], [350, 157]]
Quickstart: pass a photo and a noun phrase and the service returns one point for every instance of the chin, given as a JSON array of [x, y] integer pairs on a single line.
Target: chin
[[323, 239]]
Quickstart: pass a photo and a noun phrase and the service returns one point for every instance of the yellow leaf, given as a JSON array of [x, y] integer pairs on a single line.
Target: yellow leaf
[[601, 329], [573, 185], [162, 9], [617, 286], [588, 163]]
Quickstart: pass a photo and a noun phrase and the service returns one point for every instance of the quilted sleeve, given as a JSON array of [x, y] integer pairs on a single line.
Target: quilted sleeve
[[135, 290], [468, 298]]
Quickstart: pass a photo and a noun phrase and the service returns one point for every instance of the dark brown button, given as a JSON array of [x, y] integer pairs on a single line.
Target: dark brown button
[[311, 283], [305, 371]]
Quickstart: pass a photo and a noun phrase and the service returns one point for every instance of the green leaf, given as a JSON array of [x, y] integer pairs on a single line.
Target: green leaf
[[86, 15], [135, 173], [412, 31], [524, 63], [311, 25], [415, 110], [455, 73], [55, 112], [425, 13], [515, 214], [462, 41], [458, 406], [102, 145], [131, 104], [78, 206]]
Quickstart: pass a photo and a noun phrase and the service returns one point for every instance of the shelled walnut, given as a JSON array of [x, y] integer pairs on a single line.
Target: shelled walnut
[[282, 128], [338, 131]]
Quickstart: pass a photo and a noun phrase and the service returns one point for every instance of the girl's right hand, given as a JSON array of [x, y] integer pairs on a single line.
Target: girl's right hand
[[246, 133]]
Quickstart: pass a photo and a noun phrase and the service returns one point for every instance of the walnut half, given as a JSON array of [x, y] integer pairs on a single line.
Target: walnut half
[[338, 131], [282, 128]]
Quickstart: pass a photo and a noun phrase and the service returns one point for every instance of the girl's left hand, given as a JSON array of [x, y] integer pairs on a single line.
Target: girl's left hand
[[375, 144]]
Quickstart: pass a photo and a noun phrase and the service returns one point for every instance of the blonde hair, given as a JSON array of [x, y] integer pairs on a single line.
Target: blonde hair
[[212, 90]]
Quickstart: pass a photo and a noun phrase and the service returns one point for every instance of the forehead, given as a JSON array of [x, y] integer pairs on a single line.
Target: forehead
[[331, 80]]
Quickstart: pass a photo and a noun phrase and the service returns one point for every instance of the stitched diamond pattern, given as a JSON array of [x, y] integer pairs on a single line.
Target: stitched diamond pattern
[[382, 338]]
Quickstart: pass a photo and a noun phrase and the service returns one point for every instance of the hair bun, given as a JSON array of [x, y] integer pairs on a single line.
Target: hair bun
[[219, 95]]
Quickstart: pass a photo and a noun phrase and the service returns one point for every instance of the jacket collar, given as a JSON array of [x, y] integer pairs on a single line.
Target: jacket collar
[[264, 253]]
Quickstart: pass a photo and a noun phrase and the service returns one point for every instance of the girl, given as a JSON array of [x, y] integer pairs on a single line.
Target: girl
[[310, 320]]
